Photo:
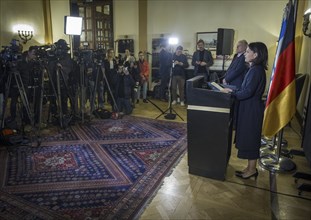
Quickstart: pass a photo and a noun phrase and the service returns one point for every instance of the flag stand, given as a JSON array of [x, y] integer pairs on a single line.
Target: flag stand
[[271, 146], [276, 162]]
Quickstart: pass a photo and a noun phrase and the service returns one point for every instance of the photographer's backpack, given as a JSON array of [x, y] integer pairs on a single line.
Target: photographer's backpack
[[10, 137], [102, 113]]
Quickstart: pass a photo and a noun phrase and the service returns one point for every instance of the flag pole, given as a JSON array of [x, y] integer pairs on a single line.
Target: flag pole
[[281, 96]]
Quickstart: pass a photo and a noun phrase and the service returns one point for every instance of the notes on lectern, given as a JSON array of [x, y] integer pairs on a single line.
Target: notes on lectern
[[215, 86]]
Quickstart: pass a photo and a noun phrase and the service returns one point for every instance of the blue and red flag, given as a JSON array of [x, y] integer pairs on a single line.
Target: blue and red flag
[[281, 99]]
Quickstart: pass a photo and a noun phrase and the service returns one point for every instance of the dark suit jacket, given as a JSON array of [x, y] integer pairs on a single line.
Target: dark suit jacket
[[236, 71], [165, 59], [208, 58]]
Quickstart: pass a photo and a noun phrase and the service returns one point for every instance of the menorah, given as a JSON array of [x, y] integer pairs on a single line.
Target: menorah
[[25, 35]]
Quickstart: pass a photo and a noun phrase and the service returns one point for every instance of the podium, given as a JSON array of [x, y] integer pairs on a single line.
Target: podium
[[209, 116]]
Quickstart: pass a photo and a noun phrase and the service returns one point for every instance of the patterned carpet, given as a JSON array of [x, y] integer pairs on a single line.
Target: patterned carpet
[[106, 169]]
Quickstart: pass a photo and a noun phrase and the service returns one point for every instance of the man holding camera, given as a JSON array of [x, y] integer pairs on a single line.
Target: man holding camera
[[134, 71], [180, 63], [124, 84]]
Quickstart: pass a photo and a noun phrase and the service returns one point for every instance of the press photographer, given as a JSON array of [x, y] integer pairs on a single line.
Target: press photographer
[[124, 83], [133, 68], [111, 68]]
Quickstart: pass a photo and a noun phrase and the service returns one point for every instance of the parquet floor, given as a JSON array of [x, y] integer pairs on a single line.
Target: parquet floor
[[186, 196]]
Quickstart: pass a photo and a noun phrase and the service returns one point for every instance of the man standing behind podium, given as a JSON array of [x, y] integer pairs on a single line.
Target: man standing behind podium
[[236, 72], [237, 69]]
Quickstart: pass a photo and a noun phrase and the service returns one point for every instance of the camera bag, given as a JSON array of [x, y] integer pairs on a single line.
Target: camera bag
[[102, 113], [10, 137]]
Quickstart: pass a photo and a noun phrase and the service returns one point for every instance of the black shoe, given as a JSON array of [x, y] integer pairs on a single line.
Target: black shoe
[[239, 173], [250, 176], [145, 101], [137, 101]]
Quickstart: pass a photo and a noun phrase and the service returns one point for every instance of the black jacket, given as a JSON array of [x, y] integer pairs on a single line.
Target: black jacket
[[179, 70], [128, 83]]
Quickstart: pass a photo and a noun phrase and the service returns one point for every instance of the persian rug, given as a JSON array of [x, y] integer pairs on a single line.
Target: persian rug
[[105, 169]]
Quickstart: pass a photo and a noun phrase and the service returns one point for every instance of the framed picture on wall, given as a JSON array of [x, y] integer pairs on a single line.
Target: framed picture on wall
[[209, 38]]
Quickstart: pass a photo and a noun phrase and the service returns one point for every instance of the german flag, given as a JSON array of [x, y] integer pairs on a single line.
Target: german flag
[[281, 99]]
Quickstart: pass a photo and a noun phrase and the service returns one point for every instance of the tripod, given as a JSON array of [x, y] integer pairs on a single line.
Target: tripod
[[83, 71], [101, 69], [37, 99], [94, 89], [22, 93], [43, 70], [170, 115], [60, 93]]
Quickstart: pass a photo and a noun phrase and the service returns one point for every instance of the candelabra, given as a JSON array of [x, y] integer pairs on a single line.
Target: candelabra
[[25, 35]]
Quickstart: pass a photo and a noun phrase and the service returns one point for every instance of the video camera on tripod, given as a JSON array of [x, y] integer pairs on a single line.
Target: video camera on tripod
[[43, 52], [11, 53], [99, 55], [90, 56], [50, 52], [83, 56], [11, 57]]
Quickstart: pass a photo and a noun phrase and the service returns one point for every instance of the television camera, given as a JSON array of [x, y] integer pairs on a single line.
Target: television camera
[[50, 52], [11, 53], [90, 56]]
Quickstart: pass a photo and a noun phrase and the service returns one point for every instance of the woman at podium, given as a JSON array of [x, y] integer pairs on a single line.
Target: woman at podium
[[251, 108]]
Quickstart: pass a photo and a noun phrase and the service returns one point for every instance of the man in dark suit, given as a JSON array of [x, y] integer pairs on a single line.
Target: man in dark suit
[[237, 69], [236, 72], [165, 59], [202, 59]]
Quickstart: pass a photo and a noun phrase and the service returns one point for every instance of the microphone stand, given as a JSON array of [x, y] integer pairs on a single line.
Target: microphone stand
[[162, 112], [170, 115]]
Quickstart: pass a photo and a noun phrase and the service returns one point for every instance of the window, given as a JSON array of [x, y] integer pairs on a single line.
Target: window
[[97, 28]]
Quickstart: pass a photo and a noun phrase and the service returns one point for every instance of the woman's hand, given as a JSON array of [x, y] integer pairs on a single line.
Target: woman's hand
[[226, 90]]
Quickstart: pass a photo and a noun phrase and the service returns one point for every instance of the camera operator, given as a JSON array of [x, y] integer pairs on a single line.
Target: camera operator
[[111, 68], [25, 67], [62, 62], [134, 71], [124, 84]]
